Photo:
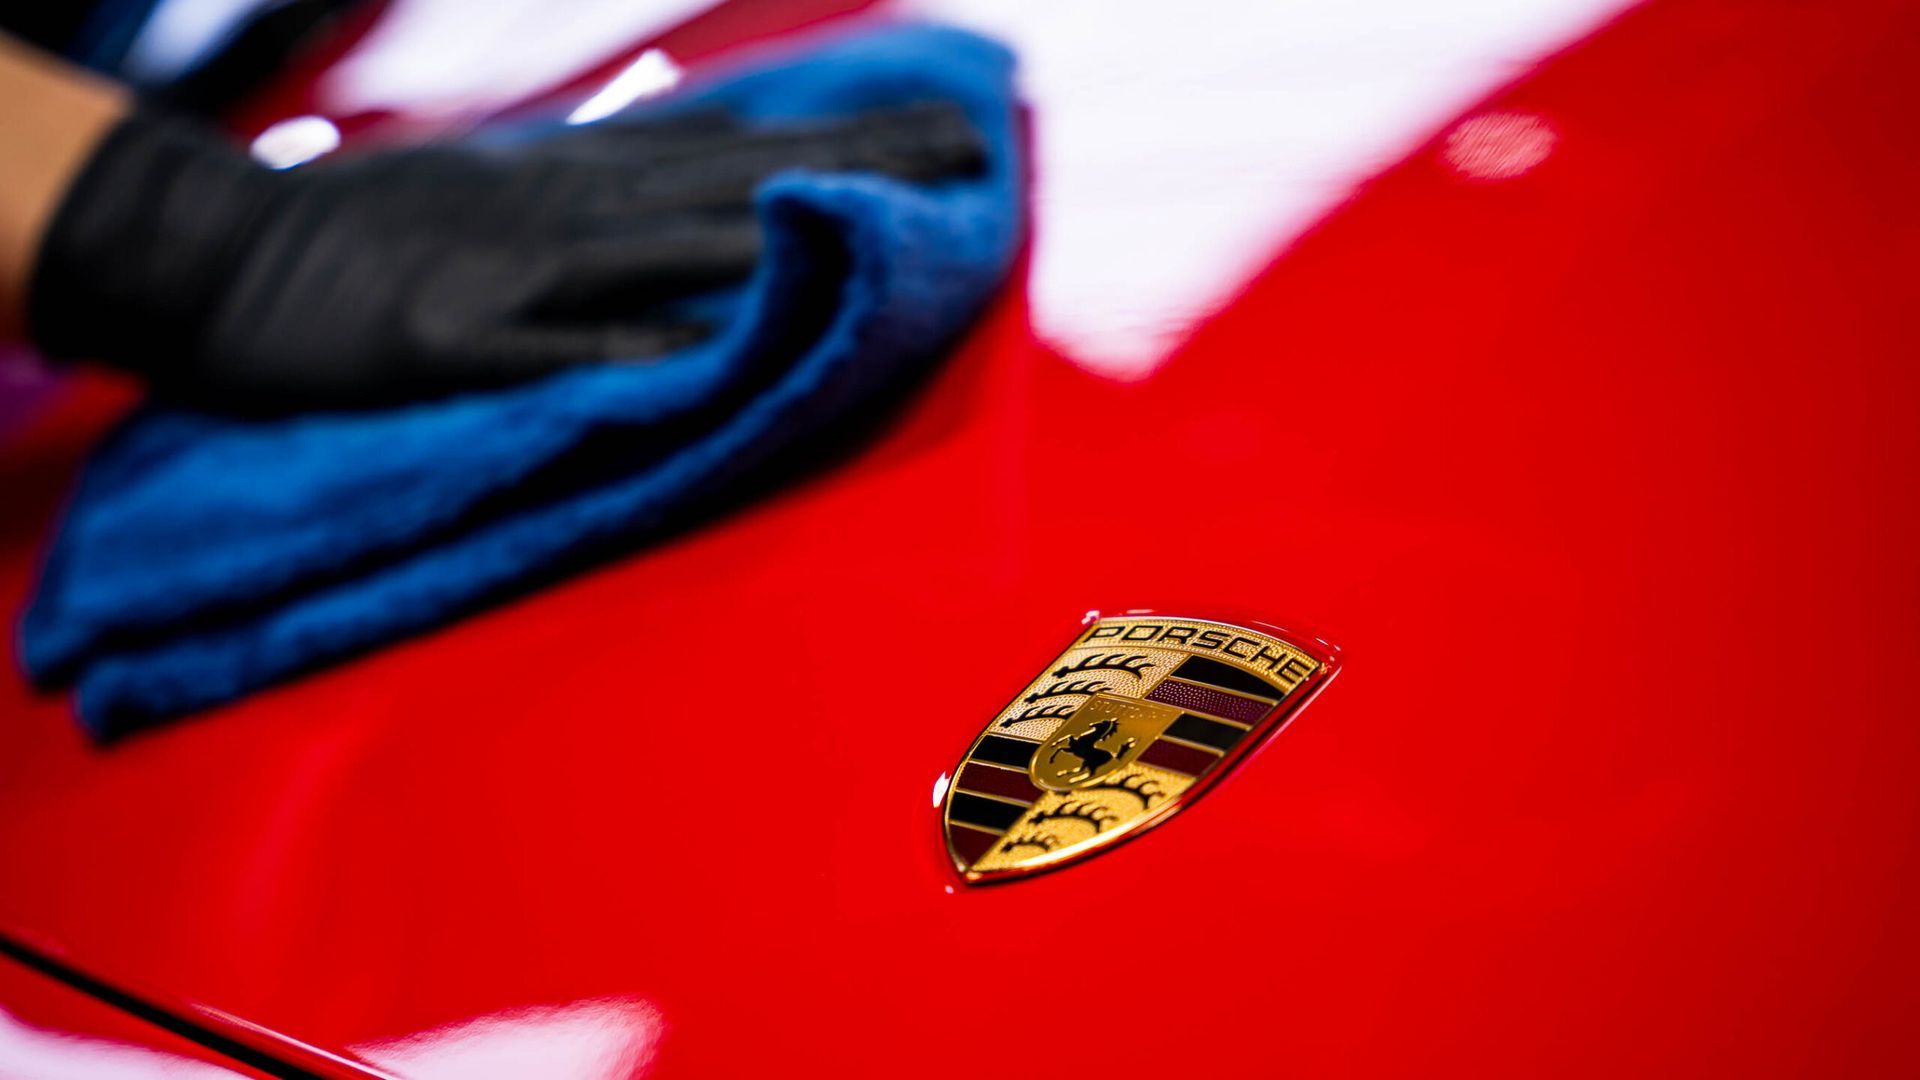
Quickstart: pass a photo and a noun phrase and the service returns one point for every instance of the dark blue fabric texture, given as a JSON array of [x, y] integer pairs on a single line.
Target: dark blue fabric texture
[[203, 557]]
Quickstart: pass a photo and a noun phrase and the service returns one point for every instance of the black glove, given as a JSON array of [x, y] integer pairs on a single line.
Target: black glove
[[389, 276]]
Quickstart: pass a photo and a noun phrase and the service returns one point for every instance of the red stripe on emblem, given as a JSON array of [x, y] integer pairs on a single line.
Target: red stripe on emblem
[[1208, 700], [1181, 759], [988, 780]]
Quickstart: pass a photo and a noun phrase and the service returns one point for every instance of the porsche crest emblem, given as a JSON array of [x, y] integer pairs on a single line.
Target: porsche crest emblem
[[1134, 720]]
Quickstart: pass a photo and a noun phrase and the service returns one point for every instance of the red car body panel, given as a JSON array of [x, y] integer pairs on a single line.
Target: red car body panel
[[1601, 477]]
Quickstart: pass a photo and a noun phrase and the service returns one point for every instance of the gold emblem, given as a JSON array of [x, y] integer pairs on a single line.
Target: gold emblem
[[1132, 722]]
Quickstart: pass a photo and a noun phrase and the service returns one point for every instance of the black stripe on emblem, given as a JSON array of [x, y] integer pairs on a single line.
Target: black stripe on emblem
[[986, 813], [970, 845], [1199, 729], [1004, 751], [1226, 677]]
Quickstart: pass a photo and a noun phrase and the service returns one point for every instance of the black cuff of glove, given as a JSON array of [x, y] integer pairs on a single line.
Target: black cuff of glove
[[142, 244]]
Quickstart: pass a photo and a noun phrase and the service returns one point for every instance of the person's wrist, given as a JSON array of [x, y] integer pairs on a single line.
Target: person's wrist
[[54, 116]]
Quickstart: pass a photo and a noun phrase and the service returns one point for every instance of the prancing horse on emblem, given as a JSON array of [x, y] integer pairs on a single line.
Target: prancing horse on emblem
[[1086, 746]]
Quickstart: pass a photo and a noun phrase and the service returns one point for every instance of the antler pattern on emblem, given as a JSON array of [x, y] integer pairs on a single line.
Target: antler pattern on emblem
[[1029, 838], [1039, 712], [1131, 663], [1069, 686], [1144, 788], [1078, 810]]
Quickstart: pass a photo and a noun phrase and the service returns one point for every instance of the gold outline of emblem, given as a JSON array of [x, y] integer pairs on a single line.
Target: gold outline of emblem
[[1137, 718]]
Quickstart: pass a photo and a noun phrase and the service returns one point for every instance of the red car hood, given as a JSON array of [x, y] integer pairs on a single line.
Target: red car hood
[[1587, 432]]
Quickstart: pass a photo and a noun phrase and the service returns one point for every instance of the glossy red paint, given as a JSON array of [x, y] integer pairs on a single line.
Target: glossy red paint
[[1600, 472]]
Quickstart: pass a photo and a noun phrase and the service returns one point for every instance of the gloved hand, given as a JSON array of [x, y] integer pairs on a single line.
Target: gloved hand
[[409, 273]]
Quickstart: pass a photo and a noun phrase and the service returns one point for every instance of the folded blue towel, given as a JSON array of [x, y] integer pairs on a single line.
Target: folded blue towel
[[203, 556]]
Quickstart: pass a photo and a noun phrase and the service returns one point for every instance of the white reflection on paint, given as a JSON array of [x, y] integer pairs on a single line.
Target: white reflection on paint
[[181, 33], [597, 1039], [940, 789], [1499, 145], [31, 1052], [1182, 146], [292, 141], [439, 57], [653, 73]]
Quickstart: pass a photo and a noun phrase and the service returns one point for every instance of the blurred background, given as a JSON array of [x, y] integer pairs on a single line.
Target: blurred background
[[1211, 136]]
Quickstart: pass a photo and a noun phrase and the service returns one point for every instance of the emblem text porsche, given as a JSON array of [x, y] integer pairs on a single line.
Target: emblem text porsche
[[1135, 719]]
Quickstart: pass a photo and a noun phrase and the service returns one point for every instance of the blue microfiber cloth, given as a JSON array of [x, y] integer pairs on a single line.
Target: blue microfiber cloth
[[204, 556]]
